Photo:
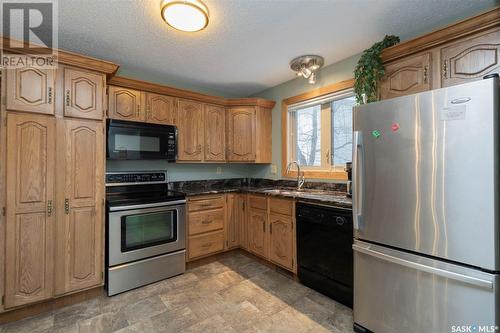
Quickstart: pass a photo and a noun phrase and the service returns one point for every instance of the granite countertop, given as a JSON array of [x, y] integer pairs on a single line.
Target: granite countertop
[[312, 195]]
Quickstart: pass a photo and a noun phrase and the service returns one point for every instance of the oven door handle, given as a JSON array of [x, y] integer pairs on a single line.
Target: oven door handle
[[151, 205]]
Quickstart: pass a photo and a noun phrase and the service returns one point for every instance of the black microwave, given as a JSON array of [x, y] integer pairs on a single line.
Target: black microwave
[[128, 140]]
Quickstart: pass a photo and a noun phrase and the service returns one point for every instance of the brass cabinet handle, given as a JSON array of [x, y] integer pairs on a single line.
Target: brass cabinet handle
[[270, 228], [138, 110], [206, 221], [66, 206], [49, 94], [426, 69], [445, 69], [68, 97], [49, 208], [264, 226]]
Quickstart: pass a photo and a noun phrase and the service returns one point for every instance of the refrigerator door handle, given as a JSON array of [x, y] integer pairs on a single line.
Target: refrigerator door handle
[[425, 268], [357, 179]]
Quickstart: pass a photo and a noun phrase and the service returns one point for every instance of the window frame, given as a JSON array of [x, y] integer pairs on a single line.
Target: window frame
[[322, 172]]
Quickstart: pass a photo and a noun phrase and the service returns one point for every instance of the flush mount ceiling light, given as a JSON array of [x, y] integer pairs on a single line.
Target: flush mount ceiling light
[[185, 15], [307, 66]]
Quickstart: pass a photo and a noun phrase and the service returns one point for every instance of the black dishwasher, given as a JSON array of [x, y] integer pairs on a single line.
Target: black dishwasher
[[324, 250]]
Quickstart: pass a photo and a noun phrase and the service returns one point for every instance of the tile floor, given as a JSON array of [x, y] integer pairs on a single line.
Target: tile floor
[[234, 293]]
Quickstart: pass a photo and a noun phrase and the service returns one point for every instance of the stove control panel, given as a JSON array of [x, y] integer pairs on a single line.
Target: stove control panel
[[135, 178]]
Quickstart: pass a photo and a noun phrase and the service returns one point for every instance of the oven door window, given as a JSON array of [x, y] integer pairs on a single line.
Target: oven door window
[[145, 230]]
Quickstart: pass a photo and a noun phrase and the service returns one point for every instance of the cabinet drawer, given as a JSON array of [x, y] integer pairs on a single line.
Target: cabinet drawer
[[281, 206], [204, 221], [259, 202], [205, 203], [205, 244]]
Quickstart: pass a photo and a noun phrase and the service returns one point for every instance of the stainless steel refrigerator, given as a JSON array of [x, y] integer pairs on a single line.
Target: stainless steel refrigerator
[[426, 211]]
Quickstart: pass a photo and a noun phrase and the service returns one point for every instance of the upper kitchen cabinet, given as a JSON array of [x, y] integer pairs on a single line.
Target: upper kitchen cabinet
[[471, 59], [31, 89], [83, 94], [249, 134], [215, 133], [241, 134], [462, 52], [160, 109], [407, 76], [126, 104], [190, 127]]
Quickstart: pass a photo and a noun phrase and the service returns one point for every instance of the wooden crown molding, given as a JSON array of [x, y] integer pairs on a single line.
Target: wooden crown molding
[[332, 88], [67, 58], [443, 35], [182, 93]]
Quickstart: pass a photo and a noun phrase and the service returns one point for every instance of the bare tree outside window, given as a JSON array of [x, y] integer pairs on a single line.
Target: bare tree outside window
[[342, 130], [308, 149]]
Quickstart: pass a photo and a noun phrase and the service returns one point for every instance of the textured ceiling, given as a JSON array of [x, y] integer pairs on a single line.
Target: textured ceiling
[[248, 44]]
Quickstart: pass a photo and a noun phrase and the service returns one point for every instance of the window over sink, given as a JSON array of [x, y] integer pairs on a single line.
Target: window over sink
[[318, 132]]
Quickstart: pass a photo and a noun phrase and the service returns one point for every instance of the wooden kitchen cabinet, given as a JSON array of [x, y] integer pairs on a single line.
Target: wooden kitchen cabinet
[[215, 133], [241, 131], [126, 104], [235, 220], [190, 131], [79, 236], [471, 59], [161, 109], [257, 230], [407, 76], [282, 239], [83, 94], [30, 213], [31, 89], [206, 221]]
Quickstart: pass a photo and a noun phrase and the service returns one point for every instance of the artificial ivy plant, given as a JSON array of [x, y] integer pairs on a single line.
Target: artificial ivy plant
[[370, 69]]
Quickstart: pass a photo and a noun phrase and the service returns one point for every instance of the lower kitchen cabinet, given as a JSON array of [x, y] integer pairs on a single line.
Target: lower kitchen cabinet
[[79, 236], [257, 225], [206, 219], [281, 240]]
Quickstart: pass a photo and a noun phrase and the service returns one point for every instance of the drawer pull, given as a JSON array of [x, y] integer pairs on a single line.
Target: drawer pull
[[206, 245], [206, 221], [426, 69]]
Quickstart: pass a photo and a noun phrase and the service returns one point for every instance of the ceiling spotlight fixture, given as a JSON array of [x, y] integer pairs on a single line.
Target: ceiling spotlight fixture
[[307, 66], [185, 15]]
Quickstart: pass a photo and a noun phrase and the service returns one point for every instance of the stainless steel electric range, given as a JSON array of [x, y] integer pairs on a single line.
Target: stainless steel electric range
[[145, 228]]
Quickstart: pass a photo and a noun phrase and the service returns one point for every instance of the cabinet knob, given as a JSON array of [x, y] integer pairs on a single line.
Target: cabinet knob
[[66, 206], [445, 69], [426, 69]]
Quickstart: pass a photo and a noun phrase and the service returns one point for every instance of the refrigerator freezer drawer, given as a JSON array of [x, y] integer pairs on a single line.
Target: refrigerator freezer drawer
[[396, 291]]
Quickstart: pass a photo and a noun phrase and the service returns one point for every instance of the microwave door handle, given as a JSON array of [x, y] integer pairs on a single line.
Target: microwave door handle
[[358, 179]]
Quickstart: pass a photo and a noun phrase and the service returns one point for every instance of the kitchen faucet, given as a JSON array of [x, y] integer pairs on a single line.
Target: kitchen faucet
[[300, 175]]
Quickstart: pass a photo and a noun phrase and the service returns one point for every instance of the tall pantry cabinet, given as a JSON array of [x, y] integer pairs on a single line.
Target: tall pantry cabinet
[[52, 180]]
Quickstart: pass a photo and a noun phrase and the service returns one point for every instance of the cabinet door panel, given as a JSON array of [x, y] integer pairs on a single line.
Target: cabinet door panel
[[125, 104], [83, 94], [215, 133], [161, 109], [281, 240], [190, 125], [407, 76], [241, 134], [233, 229], [79, 230], [29, 220], [258, 226], [30, 89], [471, 59]]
